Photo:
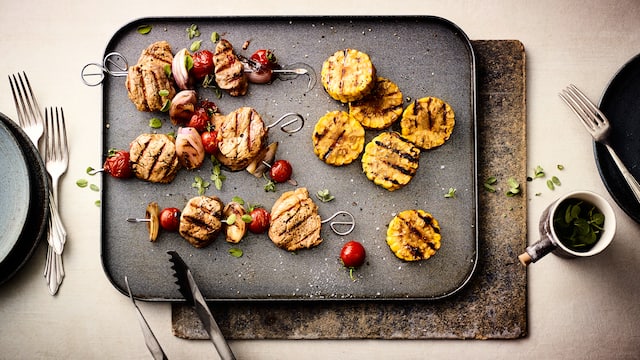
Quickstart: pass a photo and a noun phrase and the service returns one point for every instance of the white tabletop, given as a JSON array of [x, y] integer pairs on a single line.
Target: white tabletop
[[577, 308]]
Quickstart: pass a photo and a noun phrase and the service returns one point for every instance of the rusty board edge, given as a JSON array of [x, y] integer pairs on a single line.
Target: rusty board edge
[[492, 306]]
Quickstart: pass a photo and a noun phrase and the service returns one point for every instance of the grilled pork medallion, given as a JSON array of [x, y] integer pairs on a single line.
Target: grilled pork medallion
[[241, 136], [295, 223], [153, 158], [228, 70], [147, 79], [200, 220]]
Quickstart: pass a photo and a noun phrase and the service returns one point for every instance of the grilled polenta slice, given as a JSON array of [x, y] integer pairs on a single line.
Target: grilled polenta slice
[[427, 122], [390, 161], [338, 138], [414, 235], [348, 75], [381, 107]]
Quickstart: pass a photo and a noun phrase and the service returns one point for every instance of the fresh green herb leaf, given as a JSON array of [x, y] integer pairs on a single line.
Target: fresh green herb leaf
[[578, 224], [215, 37], [560, 167], [167, 70], [246, 218], [235, 252], [200, 184], [163, 92], [231, 219], [324, 195], [155, 123], [216, 174], [451, 193], [166, 106], [489, 184], [238, 199], [550, 185], [188, 62], [195, 46], [94, 187], [82, 183], [192, 31], [270, 186], [538, 172], [144, 29], [555, 180], [97, 203], [514, 187], [90, 171]]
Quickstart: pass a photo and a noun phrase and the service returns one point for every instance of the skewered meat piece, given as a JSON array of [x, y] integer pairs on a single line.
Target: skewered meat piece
[[295, 223], [148, 78], [241, 136], [200, 220], [153, 158], [228, 70]]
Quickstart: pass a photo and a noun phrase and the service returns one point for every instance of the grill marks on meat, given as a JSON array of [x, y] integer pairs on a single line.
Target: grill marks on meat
[[390, 160], [200, 220], [147, 78], [153, 158], [228, 70], [295, 223], [241, 136]]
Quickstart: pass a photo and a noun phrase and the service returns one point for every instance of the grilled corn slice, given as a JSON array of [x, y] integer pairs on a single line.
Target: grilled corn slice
[[338, 138], [348, 75], [414, 235], [428, 122], [381, 107], [390, 161]]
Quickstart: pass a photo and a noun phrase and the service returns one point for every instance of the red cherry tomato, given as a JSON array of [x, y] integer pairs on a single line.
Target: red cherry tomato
[[210, 141], [266, 58], [202, 64], [260, 219], [117, 164], [170, 219], [199, 120], [281, 171], [352, 254]]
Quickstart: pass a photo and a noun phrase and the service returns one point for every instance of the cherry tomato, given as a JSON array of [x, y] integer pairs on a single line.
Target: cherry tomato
[[281, 171], [170, 219], [199, 120], [117, 164], [210, 141], [266, 58], [352, 254], [202, 64], [260, 219]]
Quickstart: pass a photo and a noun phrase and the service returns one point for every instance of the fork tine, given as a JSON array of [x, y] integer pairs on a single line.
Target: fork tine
[[598, 116], [35, 107], [20, 107], [573, 104], [64, 149]]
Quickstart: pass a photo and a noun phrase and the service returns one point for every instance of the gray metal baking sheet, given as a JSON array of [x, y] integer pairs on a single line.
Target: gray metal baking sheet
[[425, 56]]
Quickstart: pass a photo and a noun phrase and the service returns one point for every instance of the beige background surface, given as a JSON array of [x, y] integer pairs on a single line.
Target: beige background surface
[[577, 309]]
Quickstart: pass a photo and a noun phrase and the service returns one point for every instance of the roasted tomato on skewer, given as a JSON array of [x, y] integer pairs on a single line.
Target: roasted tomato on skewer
[[117, 164]]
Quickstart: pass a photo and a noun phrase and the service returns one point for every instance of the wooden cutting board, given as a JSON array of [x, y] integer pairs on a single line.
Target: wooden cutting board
[[494, 303]]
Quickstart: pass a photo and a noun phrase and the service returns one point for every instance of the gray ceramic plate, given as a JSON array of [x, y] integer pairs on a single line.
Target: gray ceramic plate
[[36, 206], [425, 56]]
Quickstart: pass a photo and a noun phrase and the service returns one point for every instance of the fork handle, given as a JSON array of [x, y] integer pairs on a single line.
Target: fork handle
[[631, 181]]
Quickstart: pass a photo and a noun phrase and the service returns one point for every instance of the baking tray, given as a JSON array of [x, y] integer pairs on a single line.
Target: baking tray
[[425, 56]]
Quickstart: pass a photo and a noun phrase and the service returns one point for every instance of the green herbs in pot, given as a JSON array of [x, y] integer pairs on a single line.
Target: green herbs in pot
[[578, 224]]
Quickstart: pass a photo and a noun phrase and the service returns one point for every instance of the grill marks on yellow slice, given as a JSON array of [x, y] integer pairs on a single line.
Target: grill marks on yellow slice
[[414, 235], [348, 75], [338, 138], [390, 161], [381, 108], [428, 122]]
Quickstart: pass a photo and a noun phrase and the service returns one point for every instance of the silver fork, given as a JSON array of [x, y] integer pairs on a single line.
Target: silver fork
[[598, 126], [31, 121], [56, 162]]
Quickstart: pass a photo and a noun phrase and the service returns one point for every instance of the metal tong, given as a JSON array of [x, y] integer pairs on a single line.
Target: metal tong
[[149, 338]]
